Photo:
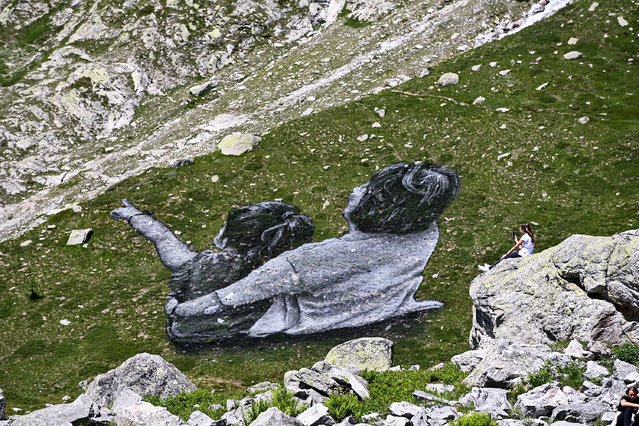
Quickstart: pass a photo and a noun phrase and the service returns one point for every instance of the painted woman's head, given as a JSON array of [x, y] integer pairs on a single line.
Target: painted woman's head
[[402, 198]]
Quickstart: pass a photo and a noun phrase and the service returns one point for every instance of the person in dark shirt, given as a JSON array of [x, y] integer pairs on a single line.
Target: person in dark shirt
[[628, 406]]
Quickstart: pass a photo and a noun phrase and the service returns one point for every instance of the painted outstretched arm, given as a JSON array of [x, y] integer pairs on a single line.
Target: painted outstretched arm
[[275, 277], [173, 252]]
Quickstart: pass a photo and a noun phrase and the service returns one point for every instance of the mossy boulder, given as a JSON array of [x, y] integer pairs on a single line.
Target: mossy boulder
[[367, 353]]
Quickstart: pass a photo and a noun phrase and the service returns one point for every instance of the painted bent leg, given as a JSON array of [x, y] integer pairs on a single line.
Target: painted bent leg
[[205, 318], [172, 251]]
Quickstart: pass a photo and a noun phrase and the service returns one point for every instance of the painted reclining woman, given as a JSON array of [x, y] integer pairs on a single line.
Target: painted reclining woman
[[368, 275], [251, 235]]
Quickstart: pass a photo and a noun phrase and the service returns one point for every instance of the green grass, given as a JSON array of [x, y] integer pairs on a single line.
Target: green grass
[[114, 290]]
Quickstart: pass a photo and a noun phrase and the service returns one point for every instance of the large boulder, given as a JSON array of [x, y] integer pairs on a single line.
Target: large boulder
[[502, 363], [131, 410], [366, 353], [542, 400], [143, 374], [490, 400], [579, 289], [81, 411]]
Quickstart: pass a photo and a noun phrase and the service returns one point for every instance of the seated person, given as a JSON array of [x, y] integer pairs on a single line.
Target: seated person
[[524, 246], [628, 406]]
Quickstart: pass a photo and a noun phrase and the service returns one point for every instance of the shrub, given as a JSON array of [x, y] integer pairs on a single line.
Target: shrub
[[475, 419], [627, 352], [571, 374], [182, 405], [285, 401], [344, 405], [257, 407]]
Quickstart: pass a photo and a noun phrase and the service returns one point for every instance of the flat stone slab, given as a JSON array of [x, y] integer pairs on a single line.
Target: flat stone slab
[[367, 353], [238, 143], [79, 237]]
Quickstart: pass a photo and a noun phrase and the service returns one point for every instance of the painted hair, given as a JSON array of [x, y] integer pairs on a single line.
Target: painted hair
[[264, 230], [528, 230], [405, 197]]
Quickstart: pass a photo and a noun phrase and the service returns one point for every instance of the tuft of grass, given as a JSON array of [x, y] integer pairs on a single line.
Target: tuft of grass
[[286, 402], [184, 404], [571, 374], [257, 407], [627, 352], [475, 419], [342, 405]]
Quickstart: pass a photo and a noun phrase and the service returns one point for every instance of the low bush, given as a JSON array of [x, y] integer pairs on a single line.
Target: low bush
[[475, 419], [570, 374], [627, 352], [285, 401], [344, 405], [257, 407], [184, 404]]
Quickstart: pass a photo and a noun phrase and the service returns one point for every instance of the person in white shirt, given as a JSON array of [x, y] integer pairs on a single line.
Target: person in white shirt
[[524, 246]]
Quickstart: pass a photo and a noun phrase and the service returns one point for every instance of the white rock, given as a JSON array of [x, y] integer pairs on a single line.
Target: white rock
[[380, 111], [79, 236], [65, 322], [480, 100], [238, 143], [493, 64], [594, 370], [584, 120], [502, 109], [376, 125], [542, 86], [622, 21], [362, 138], [572, 41], [448, 79], [593, 6], [26, 243], [307, 111], [502, 156], [475, 68], [504, 72], [573, 55]]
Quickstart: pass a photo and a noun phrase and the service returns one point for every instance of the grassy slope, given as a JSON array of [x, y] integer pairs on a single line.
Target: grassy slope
[[113, 290]]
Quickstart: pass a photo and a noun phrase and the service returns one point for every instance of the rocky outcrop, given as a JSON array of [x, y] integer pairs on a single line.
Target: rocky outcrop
[[83, 410], [580, 289], [143, 374]]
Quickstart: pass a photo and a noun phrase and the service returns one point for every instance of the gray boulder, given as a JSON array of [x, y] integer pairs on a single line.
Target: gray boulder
[[404, 409], [315, 416], [143, 374], [542, 400], [490, 400], [505, 363], [448, 79], [584, 413], [274, 417], [395, 421], [198, 418], [82, 410], [366, 353], [435, 416], [576, 290], [3, 405], [594, 370], [238, 143]]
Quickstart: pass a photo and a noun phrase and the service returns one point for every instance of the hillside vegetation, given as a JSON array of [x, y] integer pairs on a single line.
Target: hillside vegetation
[[534, 163]]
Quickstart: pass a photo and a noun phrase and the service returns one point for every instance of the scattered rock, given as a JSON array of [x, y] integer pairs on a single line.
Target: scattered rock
[[274, 417], [238, 143], [81, 411], [475, 68], [621, 21], [542, 400], [79, 236], [448, 79], [26, 243], [542, 86], [203, 88], [315, 416], [572, 41], [143, 374], [480, 100], [502, 109], [584, 120], [576, 350], [380, 111], [262, 387], [593, 6], [367, 353], [404, 409], [182, 162], [3, 405], [573, 55], [490, 400], [504, 72], [198, 418]]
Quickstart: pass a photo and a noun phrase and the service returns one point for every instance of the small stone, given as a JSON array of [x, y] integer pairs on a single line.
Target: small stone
[[367, 353], [215, 178], [79, 236], [480, 100], [622, 21], [542, 86], [502, 109], [26, 243], [573, 55], [448, 79], [475, 68], [380, 111], [425, 72], [202, 89], [584, 120], [503, 127], [502, 156], [493, 64], [362, 138], [572, 41], [593, 6], [376, 125], [182, 162], [307, 112], [504, 72], [65, 322]]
